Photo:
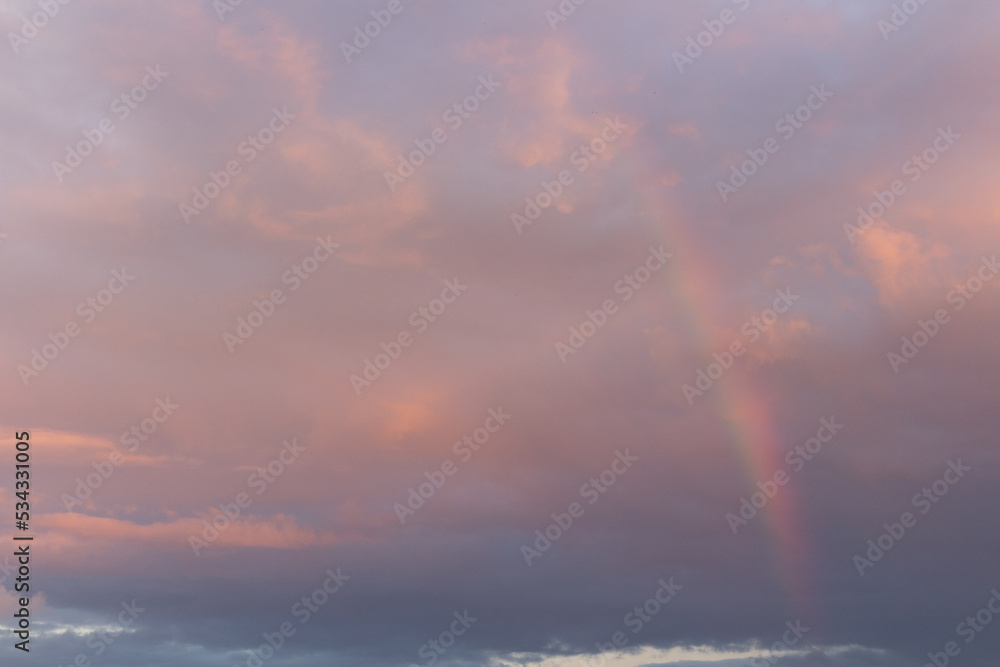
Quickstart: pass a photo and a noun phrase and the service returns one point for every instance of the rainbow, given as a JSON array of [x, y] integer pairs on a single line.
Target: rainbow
[[748, 416]]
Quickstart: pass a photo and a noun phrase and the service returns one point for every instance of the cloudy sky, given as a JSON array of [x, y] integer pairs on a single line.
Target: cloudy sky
[[501, 332]]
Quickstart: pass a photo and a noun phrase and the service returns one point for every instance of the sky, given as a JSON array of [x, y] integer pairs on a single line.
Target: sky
[[490, 333]]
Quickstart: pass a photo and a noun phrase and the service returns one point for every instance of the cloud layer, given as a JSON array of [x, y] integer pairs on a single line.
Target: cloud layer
[[504, 310]]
